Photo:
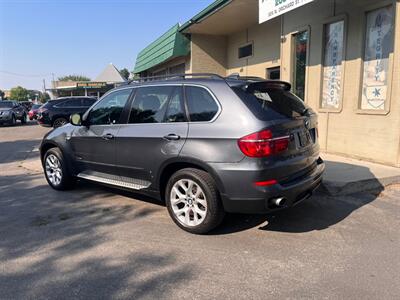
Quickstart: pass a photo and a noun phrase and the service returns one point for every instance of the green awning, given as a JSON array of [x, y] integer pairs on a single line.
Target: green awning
[[170, 45]]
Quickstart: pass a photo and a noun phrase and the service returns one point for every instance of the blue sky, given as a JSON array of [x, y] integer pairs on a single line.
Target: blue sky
[[40, 37]]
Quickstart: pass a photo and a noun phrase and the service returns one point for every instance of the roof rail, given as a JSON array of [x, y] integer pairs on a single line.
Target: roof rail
[[238, 77], [174, 76]]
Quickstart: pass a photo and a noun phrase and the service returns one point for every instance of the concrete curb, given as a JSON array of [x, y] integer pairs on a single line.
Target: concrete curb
[[339, 188]]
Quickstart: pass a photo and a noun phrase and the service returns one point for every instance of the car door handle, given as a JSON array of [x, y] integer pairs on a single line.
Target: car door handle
[[107, 137], [172, 137]]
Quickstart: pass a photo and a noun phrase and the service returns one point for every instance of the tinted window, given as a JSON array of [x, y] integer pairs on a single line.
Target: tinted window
[[201, 104], [36, 106], [150, 104], [272, 103], [88, 102], [73, 103], [175, 110], [70, 103], [246, 51], [49, 103], [109, 109], [4, 104]]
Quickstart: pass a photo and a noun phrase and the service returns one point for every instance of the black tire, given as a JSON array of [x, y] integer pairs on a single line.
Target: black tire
[[214, 211], [23, 120], [67, 180], [59, 122], [13, 121]]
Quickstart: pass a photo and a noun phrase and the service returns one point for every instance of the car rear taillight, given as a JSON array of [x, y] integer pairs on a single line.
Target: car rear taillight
[[263, 144]]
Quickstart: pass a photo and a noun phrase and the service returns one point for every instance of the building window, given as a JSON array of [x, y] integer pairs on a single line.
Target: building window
[[246, 51], [332, 69], [160, 73], [300, 63], [378, 47], [274, 73]]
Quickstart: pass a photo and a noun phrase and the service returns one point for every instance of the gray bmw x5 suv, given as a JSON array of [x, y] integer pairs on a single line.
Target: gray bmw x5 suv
[[202, 143]]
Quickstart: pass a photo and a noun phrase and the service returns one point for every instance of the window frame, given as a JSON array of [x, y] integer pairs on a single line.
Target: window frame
[[336, 19], [293, 59], [183, 105], [391, 68], [212, 95], [133, 96], [250, 43], [122, 118], [186, 111]]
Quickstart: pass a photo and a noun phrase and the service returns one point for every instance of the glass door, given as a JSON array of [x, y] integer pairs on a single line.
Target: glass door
[[300, 63]]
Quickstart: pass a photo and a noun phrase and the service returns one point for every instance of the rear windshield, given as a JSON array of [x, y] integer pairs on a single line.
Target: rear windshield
[[49, 103], [6, 104], [272, 103]]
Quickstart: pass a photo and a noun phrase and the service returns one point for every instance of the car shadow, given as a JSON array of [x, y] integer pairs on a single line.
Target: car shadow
[[57, 242], [319, 212]]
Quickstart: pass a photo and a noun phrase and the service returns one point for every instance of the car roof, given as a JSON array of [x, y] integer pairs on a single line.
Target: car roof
[[70, 98]]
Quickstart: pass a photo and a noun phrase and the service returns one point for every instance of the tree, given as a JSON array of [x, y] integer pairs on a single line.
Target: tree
[[19, 93], [74, 78], [1, 95], [44, 97], [124, 73]]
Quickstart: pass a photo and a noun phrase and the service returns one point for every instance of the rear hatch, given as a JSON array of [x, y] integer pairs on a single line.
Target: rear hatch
[[285, 115]]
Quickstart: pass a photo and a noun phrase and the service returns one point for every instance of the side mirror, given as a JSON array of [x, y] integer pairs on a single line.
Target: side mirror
[[76, 120]]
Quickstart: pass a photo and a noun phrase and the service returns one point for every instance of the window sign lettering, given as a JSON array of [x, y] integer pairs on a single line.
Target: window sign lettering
[[378, 46], [332, 70], [269, 9]]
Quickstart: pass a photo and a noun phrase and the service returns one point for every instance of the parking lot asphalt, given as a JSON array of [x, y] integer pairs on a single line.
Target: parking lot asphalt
[[96, 242]]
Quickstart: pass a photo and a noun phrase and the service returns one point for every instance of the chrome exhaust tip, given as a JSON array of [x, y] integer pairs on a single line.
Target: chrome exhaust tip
[[279, 202]]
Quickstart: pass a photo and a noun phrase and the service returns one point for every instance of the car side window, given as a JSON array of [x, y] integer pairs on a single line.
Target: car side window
[[201, 105], [150, 104], [109, 109], [88, 102], [73, 103], [175, 109]]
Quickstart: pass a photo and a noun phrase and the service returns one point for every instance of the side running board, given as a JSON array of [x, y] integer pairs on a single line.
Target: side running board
[[124, 182]]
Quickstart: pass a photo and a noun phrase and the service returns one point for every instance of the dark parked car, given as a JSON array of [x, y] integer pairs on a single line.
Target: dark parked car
[[11, 111], [56, 113], [27, 105], [204, 145], [34, 111]]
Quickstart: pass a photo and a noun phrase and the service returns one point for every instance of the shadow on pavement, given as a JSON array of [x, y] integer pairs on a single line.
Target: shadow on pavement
[[317, 213], [12, 151], [19, 124], [55, 245]]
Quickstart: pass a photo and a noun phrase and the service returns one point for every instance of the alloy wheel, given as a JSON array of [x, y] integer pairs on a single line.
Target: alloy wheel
[[188, 202], [59, 123], [53, 169]]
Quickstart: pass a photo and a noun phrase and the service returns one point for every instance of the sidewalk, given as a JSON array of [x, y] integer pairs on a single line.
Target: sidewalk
[[345, 175]]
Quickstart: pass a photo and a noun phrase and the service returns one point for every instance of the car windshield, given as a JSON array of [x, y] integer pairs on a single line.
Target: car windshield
[[6, 104]]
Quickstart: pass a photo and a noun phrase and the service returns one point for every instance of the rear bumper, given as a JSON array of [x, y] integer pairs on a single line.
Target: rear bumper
[[43, 121], [293, 193]]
